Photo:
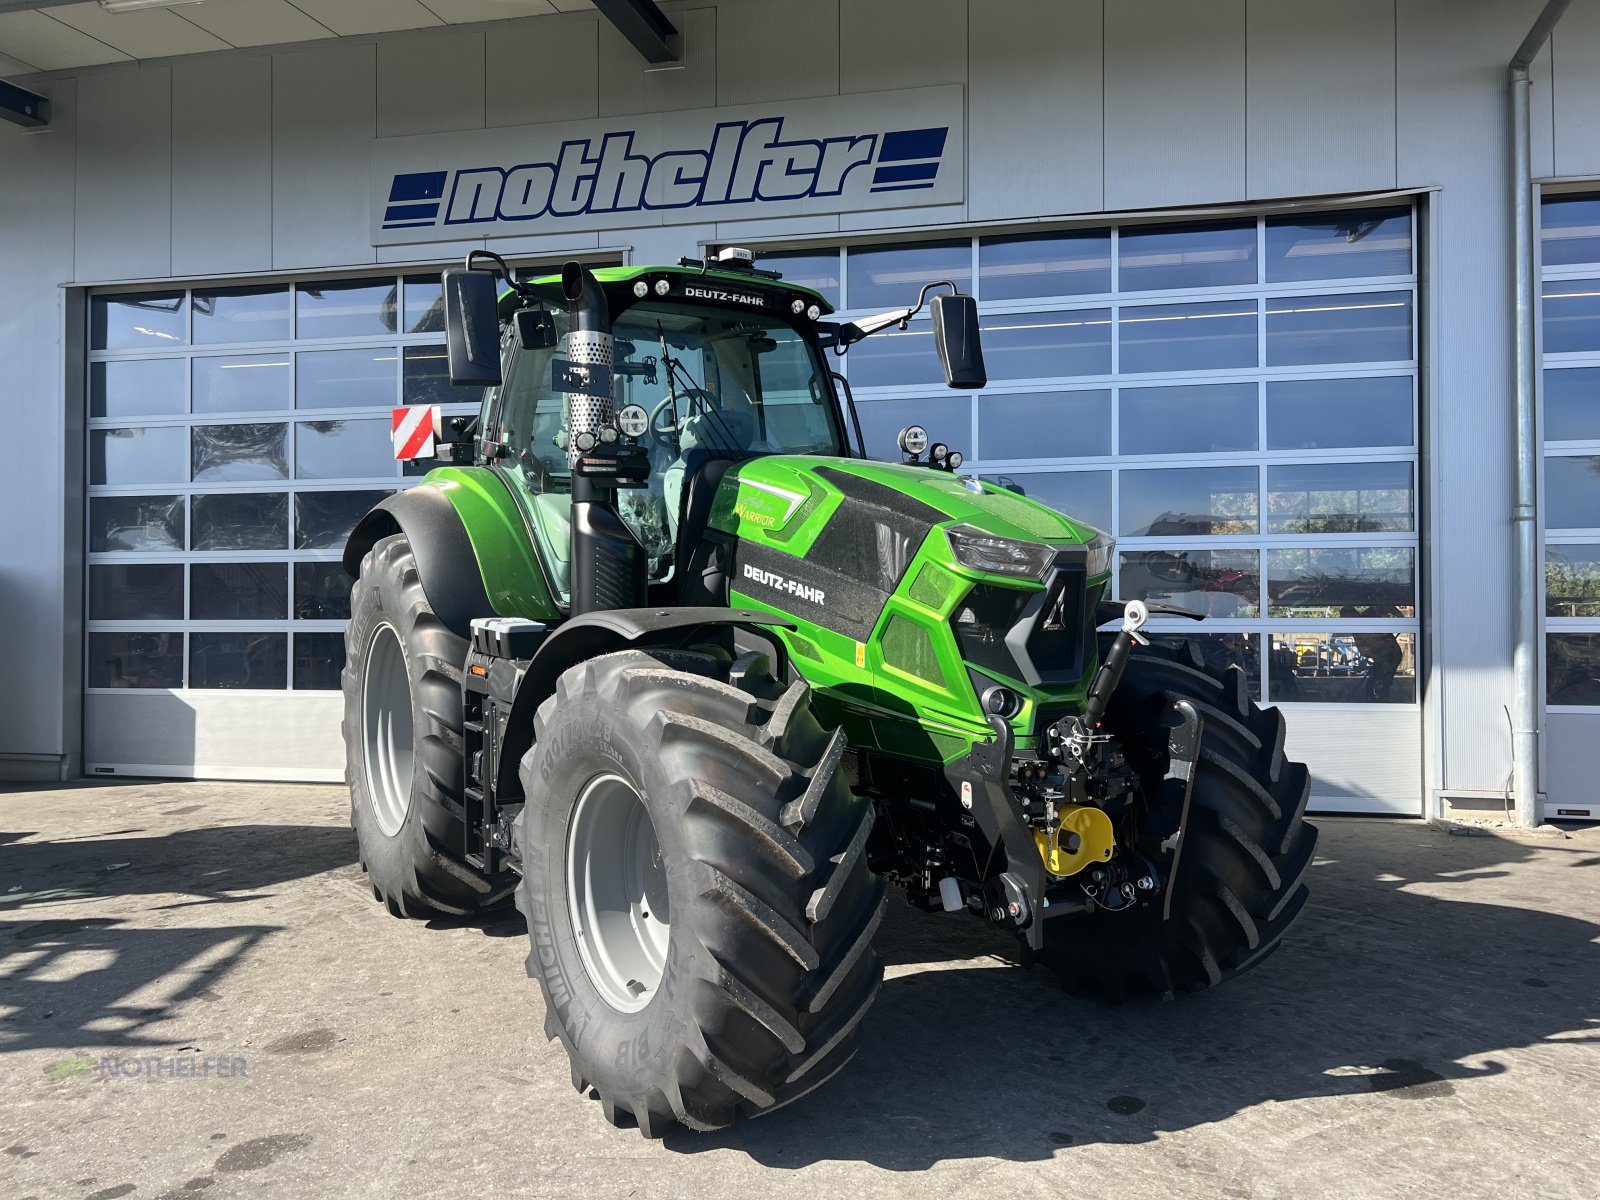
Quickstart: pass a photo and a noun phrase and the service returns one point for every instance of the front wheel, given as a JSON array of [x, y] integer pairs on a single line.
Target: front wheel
[[1247, 849], [699, 905]]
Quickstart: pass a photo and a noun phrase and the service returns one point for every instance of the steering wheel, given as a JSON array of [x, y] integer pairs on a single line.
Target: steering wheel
[[666, 426]]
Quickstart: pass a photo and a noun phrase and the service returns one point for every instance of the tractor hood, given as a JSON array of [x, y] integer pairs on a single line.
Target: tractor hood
[[772, 497], [894, 626]]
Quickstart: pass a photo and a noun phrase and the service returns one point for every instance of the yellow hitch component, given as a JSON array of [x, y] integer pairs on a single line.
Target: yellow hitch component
[[1084, 826]]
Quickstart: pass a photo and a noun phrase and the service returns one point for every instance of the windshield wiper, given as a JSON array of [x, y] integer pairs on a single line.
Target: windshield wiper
[[694, 397]]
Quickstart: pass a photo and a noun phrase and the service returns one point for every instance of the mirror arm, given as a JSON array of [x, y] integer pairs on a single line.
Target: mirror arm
[[851, 332], [502, 269]]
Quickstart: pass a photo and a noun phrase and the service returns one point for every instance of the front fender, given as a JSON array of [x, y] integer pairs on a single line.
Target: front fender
[[593, 634]]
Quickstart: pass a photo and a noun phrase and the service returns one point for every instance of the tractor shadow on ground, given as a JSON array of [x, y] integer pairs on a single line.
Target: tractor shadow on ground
[[1377, 990], [219, 864], [89, 974]]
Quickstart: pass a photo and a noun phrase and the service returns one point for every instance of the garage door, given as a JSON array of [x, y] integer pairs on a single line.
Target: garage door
[[1237, 400]]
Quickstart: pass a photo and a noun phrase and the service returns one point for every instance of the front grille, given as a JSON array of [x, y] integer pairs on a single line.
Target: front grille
[[1037, 637]]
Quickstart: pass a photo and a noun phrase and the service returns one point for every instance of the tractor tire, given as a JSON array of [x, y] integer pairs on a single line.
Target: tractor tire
[[700, 910], [402, 737], [1241, 874]]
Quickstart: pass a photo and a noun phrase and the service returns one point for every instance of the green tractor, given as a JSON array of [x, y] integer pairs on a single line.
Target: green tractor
[[665, 659]]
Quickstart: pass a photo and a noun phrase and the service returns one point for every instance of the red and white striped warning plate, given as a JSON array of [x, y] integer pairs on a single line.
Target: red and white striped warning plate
[[412, 429]]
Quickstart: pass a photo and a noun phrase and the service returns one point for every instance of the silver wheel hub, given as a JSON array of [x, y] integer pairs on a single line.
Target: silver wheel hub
[[386, 730], [617, 893]]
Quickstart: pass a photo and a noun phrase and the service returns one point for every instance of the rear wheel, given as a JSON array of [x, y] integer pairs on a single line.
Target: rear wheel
[[699, 905], [1246, 852], [402, 737]]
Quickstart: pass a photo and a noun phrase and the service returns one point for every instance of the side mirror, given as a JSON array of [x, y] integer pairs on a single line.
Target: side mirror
[[472, 327], [536, 329], [955, 334]]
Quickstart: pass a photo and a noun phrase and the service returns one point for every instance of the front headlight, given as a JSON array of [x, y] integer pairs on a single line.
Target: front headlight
[[1099, 550], [982, 551]]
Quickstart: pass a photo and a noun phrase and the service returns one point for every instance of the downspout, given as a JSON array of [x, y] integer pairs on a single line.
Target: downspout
[[1526, 707]]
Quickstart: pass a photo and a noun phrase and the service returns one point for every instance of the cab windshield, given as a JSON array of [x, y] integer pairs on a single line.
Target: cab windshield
[[716, 384]]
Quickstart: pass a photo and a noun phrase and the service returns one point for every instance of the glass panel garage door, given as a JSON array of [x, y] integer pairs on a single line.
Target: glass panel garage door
[[235, 435], [1570, 246], [1237, 401]]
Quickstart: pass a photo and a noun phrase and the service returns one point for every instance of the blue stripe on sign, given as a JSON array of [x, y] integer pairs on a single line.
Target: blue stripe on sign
[[410, 212], [905, 173], [910, 143], [897, 187], [426, 185]]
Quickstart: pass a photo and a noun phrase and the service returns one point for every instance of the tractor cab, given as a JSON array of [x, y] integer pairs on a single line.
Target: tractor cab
[[621, 398], [702, 388]]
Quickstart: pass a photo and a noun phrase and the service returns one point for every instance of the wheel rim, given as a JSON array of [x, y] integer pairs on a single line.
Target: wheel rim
[[617, 893], [386, 729]]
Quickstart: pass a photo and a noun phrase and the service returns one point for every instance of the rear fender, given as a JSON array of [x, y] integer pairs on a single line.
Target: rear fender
[[593, 634], [446, 562], [471, 544]]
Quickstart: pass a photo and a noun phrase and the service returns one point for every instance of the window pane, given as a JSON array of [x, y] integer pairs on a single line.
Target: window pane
[[1342, 245], [1376, 582], [136, 523], [1371, 327], [1571, 315], [1187, 337], [148, 388], [1572, 492], [241, 383], [133, 456], [1572, 580], [1321, 414], [1218, 583], [318, 659], [895, 359], [323, 520], [349, 308], [321, 591], [947, 418], [1572, 668], [239, 453], [1187, 420], [136, 660], [424, 304], [426, 379], [346, 378], [241, 521], [343, 450], [1344, 668], [1155, 257], [1189, 501], [1570, 230], [238, 660], [1045, 345], [1044, 425], [817, 271], [150, 321], [884, 277], [1572, 404], [1219, 651], [1055, 264], [241, 314], [136, 592], [238, 591], [1082, 495], [1340, 498]]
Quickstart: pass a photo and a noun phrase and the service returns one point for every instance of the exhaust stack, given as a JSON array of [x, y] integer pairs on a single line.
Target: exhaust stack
[[609, 567]]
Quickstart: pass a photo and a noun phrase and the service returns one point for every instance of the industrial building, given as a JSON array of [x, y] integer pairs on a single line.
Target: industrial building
[[1248, 272]]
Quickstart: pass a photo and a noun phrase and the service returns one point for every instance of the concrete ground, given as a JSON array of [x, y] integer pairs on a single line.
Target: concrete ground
[[1430, 1030]]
